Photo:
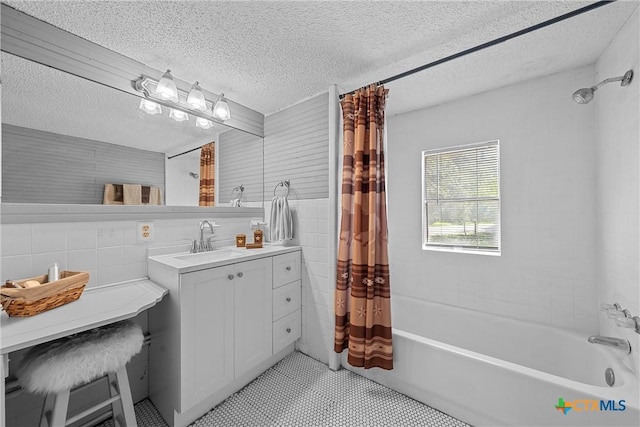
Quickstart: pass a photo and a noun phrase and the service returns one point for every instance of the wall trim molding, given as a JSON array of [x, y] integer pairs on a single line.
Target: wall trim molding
[[30, 213]]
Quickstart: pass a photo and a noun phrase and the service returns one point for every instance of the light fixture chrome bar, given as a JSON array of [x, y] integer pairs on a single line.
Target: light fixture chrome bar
[[147, 86]]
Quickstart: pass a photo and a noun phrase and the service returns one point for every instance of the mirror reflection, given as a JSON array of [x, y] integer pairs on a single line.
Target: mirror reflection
[[67, 139]]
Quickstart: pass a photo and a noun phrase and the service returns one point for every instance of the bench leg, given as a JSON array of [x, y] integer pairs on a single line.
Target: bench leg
[[126, 399], [60, 406], [47, 410]]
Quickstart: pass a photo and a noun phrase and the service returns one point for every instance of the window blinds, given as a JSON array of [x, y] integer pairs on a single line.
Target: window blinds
[[461, 197]]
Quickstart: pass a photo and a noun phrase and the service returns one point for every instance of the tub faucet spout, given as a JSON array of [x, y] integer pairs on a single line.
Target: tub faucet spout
[[619, 343]]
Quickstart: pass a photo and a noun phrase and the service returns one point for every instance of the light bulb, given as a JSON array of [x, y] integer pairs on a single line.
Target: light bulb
[[195, 99], [203, 123], [150, 107], [178, 115], [221, 109], [167, 88]]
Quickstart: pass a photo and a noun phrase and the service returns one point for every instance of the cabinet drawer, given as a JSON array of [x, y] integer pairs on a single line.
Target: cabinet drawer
[[286, 300], [286, 330], [286, 268]]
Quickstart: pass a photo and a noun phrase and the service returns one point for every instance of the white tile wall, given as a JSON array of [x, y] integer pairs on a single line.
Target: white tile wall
[[107, 250], [546, 272], [617, 112], [311, 232]]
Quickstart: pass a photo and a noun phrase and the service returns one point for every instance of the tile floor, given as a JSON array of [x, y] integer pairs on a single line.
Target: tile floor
[[300, 391]]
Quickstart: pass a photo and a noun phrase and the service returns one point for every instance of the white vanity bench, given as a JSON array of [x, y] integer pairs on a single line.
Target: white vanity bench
[[96, 307]]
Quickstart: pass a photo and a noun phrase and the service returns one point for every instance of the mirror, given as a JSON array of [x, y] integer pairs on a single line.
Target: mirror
[[65, 137]]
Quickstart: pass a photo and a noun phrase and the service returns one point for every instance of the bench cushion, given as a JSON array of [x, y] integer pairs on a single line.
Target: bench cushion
[[80, 358]]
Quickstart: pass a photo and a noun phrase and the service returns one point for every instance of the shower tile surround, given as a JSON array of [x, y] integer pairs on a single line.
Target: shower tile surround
[[547, 270], [108, 250], [617, 112]]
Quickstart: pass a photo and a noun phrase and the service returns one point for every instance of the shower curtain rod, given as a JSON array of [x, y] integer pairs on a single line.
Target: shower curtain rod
[[184, 152], [492, 42]]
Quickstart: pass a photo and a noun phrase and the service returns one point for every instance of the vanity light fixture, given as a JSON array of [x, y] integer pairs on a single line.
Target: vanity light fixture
[[150, 107], [203, 123], [195, 99], [184, 104], [178, 115], [166, 88], [221, 109]]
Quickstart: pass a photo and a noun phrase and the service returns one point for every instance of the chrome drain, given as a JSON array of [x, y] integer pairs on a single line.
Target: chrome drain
[[609, 377]]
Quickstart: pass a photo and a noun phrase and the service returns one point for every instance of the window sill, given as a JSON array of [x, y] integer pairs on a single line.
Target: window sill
[[460, 250]]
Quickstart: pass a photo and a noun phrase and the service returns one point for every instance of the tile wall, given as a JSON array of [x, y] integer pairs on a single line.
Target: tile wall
[[311, 233], [547, 269], [110, 253], [108, 250], [618, 191]]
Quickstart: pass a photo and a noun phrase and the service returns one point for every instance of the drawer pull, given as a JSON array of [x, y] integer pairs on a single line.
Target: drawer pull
[[288, 299], [240, 274], [288, 330], [289, 268], [230, 277]]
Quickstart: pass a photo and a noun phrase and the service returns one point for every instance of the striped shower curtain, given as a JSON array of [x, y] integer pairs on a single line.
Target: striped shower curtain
[[362, 295], [207, 174]]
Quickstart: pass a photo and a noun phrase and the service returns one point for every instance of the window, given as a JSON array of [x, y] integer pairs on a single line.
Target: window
[[461, 198]]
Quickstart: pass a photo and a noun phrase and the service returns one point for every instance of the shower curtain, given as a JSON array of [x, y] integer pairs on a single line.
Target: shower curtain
[[207, 174], [362, 295]]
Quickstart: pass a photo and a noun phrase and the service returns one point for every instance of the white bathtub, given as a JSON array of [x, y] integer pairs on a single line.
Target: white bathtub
[[491, 370]]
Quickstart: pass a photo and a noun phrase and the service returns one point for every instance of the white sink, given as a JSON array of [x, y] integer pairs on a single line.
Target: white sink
[[215, 255], [186, 262]]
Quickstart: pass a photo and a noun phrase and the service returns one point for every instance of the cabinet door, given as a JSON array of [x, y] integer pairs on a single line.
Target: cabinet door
[[206, 299], [253, 313]]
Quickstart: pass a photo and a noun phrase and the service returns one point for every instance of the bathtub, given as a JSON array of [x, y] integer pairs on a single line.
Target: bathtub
[[491, 370]]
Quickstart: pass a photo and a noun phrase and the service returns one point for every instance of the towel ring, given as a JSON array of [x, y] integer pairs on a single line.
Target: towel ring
[[286, 183], [240, 189]]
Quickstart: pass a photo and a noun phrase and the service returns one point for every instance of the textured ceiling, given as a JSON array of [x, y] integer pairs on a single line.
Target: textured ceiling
[[269, 55]]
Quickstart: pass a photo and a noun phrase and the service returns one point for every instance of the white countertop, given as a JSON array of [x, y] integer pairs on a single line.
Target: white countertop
[[185, 262], [96, 307]]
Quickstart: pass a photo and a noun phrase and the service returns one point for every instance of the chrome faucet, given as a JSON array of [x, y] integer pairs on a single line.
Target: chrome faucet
[[205, 245], [618, 343]]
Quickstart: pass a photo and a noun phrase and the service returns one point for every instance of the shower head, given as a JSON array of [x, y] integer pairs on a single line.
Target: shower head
[[585, 95]]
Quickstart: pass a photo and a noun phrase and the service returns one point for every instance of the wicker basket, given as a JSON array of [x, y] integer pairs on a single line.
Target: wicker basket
[[32, 301]]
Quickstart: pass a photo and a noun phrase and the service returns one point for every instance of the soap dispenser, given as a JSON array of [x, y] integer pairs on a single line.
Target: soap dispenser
[[258, 235]]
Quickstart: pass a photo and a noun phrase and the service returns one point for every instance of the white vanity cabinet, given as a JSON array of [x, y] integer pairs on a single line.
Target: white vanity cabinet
[[225, 326], [219, 328]]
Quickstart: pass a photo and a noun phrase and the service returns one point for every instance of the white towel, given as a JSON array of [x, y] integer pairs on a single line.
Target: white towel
[[281, 225]]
